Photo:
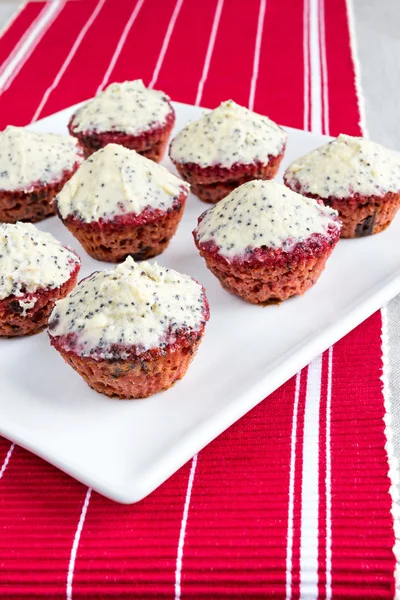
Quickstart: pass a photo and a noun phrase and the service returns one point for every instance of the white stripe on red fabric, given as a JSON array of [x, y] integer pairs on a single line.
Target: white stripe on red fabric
[[166, 41], [328, 479], [257, 50], [310, 476], [393, 464], [293, 439], [310, 496], [20, 43], [6, 460], [192, 483], [357, 71], [75, 544], [315, 120], [210, 48], [105, 79], [328, 466], [70, 56], [306, 52], [110, 68], [182, 533], [315, 68], [120, 44], [24, 51], [393, 467], [324, 67]]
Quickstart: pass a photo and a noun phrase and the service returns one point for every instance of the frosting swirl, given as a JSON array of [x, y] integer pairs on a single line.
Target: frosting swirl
[[31, 260], [344, 167], [117, 181], [227, 135], [129, 107], [141, 305], [263, 214], [28, 158]]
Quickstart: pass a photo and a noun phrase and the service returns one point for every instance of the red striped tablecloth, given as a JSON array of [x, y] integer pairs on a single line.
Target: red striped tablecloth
[[292, 501]]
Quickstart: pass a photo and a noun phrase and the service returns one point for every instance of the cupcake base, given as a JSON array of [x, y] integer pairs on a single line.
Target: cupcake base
[[270, 277], [14, 321], [130, 235], [273, 286], [31, 207], [151, 144], [360, 215], [363, 216], [136, 377], [212, 184]]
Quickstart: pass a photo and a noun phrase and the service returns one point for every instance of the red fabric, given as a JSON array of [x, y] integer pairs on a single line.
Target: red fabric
[[359, 462], [230, 75], [222, 526], [242, 542], [132, 553], [40, 509]]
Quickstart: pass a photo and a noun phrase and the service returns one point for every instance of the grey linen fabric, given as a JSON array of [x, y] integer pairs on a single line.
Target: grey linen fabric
[[377, 30], [393, 315]]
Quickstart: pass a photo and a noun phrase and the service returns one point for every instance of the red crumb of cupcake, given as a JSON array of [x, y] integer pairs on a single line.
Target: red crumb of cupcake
[[360, 215], [212, 184], [151, 143], [266, 275], [141, 236], [35, 205], [140, 374], [15, 321]]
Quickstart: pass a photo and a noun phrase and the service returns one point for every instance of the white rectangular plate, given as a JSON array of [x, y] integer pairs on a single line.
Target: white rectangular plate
[[126, 449]]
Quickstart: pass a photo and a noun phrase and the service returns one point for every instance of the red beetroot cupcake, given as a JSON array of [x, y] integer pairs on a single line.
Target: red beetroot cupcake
[[119, 203], [225, 148], [35, 272], [358, 178], [126, 113], [34, 168], [131, 331], [266, 243]]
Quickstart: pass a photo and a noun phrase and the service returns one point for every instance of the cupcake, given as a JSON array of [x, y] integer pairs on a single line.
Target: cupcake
[[33, 169], [128, 114], [35, 272], [131, 331], [358, 178], [266, 243], [225, 148], [119, 203]]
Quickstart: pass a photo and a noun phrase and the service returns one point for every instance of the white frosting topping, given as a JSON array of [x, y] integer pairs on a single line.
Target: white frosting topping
[[136, 304], [27, 305], [227, 135], [117, 181], [28, 158], [346, 166], [263, 214], [31, 260], [129, 107]]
